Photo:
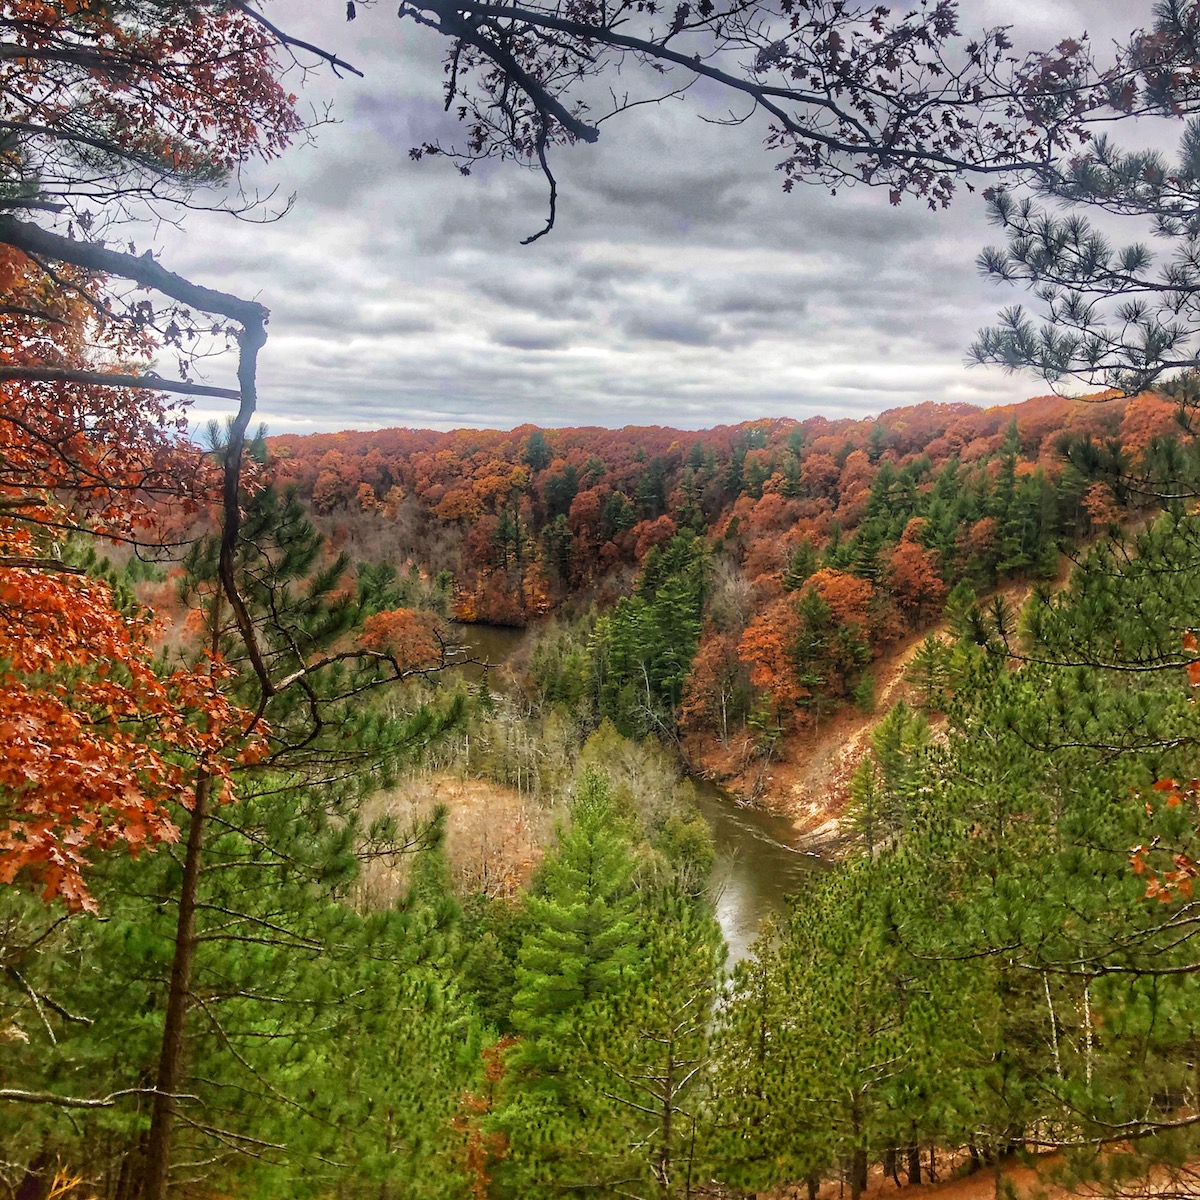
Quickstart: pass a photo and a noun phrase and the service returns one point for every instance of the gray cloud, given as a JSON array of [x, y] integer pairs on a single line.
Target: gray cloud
[[682, 286], [664, 327], [532, 337]]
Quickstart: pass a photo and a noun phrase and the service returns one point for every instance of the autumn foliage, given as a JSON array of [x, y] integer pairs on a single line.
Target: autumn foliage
[[95, 740], [182, 98], [849, 534], [409, 635]]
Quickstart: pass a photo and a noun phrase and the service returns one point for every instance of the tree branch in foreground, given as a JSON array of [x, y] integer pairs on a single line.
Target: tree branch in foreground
[[109, 1101], [154, 383]]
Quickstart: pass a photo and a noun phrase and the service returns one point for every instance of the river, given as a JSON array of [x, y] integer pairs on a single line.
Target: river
[[758, 865], [758, 861]]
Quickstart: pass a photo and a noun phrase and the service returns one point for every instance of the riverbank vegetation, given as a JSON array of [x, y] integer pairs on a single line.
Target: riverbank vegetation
[[387, 995], [294, 902], [730, 591]]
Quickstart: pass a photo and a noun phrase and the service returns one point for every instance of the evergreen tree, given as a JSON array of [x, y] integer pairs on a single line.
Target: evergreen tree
[[580, 949], [801, 565], [536, 451], [211, 939], [643, 650], [650, 1057], [929, 672], [582, 918]]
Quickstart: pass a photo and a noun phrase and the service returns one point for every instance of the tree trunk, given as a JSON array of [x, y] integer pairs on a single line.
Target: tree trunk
[[891, 1161], [123, 1186], [913, 1153], [36, 1182], [858, 1173], [170, 1062], [664, 1154], [858, 1157]]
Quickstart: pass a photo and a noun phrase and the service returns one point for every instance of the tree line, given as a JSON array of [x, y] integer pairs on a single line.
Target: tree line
[[201, 787]]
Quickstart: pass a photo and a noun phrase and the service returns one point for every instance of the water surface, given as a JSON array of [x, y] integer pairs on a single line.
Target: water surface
[[758, 861], [758, 865]]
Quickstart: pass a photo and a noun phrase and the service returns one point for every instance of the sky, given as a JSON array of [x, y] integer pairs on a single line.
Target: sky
[[681, 285]]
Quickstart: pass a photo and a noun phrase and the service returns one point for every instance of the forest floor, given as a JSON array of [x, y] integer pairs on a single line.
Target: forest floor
[[987, 1184], [1013, 1178], [495, 835]]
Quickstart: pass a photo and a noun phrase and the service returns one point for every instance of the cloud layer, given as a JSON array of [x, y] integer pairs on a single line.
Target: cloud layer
[[681, 285]]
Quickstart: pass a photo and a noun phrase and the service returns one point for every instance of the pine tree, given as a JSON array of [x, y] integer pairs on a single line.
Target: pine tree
[[801, 565], [929, 672], [581, 949], [642, 651], [319, 731], [649, 1050], [583, 926]]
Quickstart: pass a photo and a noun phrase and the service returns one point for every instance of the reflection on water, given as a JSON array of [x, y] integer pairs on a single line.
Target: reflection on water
[[758, 864], [491, 644]]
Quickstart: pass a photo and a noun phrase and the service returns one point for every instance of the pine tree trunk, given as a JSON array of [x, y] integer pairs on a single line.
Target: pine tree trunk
[[664, 1154], [36, 1182], [121, 1189], [914, 1163], [858, 1158], [858, 1173], [890, 1164], [170, 1063]]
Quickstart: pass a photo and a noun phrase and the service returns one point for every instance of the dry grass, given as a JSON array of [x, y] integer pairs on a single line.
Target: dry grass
[[494, 834]]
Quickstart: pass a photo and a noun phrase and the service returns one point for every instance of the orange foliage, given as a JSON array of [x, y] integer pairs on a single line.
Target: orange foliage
[[819, 475], [1170, 876], [649, 534], [849, 597], [854, 484], [713, 683], [94, 741], [914, 582], [409, 635], [767, 646], [1146, 417], [196, 89], [1100, 506], [758, 490], [482, 1150], [78, 693]]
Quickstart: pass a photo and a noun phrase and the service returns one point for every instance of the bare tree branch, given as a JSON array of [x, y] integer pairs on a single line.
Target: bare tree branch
[[154, 383]]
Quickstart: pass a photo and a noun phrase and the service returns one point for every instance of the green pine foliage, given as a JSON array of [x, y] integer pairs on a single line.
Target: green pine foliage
[[989, 971], [615, 986], [582, 912], [642, 651]]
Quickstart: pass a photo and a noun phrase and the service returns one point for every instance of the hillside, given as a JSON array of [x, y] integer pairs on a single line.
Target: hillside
[[752, 592]]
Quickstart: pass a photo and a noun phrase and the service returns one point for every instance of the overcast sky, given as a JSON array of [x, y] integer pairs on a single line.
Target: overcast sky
[[680, 287]]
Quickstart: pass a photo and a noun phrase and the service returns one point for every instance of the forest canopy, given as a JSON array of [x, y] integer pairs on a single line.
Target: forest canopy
[[220, 663]]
